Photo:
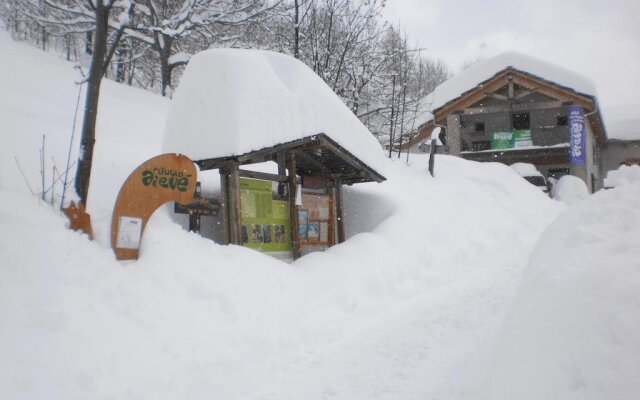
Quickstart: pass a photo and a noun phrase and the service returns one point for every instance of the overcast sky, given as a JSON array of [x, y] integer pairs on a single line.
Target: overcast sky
[[596, 38]]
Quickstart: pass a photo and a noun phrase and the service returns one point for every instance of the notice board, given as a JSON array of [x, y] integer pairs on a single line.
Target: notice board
[[265, 216]]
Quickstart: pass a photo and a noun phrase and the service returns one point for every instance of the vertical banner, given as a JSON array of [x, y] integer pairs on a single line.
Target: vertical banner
[[577, 136]]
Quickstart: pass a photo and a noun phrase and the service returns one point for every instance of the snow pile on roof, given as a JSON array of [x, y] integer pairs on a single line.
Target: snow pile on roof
[[472, 77], [569, 189], [622, 176], [623, 122], [573, 330], [232, 102]]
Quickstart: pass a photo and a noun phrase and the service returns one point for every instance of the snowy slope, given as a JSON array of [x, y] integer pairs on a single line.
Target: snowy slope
[[408, 307], [38, 97], [572, 332]]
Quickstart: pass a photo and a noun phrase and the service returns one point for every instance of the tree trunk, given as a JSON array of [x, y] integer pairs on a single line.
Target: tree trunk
[[296, 30], [96, 72], [164, 51]]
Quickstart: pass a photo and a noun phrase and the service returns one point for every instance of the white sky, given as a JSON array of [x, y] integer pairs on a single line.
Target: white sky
[[596, 38]]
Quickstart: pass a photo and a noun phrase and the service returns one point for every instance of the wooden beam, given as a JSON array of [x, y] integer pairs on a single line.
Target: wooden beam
[[233, 207], [515, 107], [553, 91], [526, 93], [267, 154], [311, 160], [497, 96], [262, 175], [337, 190], [293, 210], [344, 154], [224, 201]]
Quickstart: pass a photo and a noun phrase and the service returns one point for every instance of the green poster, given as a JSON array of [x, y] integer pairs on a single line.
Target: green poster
[[502, 140], [522, 138], [511, 139], [265, 217]]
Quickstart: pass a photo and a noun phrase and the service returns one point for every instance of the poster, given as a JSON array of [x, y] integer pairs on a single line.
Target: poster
[[129, 231], [264, 215], [303, 219], [511, 139], [313, 231]]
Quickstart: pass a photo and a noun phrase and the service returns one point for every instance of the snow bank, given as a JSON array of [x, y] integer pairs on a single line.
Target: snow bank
[[569, 189], [233, 101], [525, 169], [472, 77], [192, 319], [573, 330], [622, 176]]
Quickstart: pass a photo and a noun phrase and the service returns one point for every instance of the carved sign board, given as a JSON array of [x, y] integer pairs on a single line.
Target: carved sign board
[[168, 177], [206, 206]]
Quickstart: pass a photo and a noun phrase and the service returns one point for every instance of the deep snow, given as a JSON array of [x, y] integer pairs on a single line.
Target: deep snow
[[410, 306]]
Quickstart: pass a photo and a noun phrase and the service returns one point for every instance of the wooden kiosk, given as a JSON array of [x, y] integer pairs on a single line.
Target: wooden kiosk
[[299, 209], [236, 109]]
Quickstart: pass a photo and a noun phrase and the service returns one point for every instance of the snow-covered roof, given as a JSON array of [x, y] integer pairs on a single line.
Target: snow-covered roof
[[470, 78], [232, 102], [623, 122]]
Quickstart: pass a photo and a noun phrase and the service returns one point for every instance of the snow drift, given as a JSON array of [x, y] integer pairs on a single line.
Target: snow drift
[[573, 330]]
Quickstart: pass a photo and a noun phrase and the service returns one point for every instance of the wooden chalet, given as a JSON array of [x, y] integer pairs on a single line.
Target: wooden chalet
[[507, 96]]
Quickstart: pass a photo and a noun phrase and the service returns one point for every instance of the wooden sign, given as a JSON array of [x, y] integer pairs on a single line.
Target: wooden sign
[[206, 206], [168, 177]]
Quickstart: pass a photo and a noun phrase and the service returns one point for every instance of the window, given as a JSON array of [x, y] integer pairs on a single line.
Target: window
[[481, 145], [561, 120], [479, 126], [521, 121]]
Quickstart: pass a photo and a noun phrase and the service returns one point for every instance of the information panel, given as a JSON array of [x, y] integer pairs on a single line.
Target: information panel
[[511, 139], [265, 216]]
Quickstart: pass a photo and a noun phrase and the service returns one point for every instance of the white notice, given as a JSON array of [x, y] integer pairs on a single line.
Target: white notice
[[129, 230]]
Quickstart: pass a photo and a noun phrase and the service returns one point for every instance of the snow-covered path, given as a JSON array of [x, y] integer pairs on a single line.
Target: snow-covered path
[[433, 346]]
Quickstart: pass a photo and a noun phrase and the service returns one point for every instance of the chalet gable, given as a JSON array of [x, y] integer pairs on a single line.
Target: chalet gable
[[513, 89]]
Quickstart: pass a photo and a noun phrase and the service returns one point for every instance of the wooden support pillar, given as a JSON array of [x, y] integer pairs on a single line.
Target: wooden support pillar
[[293, 210], [233, 206], [339, 214], [282, 170], [224, 201]]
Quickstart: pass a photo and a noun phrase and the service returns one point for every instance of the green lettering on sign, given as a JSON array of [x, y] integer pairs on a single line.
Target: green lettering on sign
[[166, 178]]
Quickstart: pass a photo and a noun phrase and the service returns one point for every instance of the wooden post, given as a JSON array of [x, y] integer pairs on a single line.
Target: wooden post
[[194, 223], [293, 210], [282, 170], [224, 200], [339, 214], [233, 206]]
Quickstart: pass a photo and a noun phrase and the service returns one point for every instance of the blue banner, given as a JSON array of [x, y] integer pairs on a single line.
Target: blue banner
[[577, 136]]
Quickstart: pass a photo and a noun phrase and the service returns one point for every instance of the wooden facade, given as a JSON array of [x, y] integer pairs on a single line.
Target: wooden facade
[[496, 102]]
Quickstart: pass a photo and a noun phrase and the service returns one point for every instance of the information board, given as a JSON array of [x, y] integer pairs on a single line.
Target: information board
[[265, 216]]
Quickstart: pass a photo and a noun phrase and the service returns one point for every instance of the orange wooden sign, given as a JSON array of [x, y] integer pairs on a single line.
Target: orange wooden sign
[[168, 177]]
